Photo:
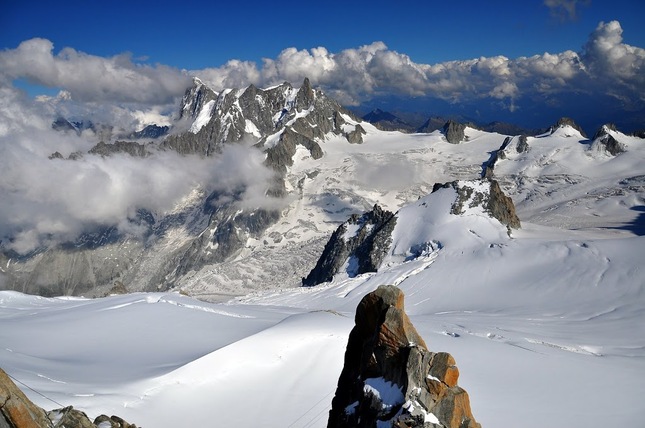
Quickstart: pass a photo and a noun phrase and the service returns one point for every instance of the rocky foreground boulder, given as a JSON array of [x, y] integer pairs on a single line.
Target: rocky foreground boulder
[[17, 411], [390, 378]]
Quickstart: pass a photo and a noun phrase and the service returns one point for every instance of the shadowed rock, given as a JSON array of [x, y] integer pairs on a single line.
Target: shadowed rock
[[365, 240], [454, 132], [390, 378], [604, 141], [495, 202]]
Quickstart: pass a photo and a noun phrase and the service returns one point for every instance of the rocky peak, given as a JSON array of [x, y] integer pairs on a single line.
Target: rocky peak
[[390, 378], [305, 96], [194, 99], [454, 132], [128, 147], [566, 121], [490, 197], [362, 242], [605, 141], [149, 132]]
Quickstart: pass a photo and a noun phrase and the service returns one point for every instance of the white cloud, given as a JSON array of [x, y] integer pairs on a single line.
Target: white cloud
[[53, 200], [605, 65], [92, 78]]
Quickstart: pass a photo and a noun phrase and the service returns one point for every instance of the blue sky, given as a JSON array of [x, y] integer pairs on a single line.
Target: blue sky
[[155, 39], [196, 35]]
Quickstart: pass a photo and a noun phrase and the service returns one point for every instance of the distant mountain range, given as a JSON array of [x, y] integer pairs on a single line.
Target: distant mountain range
[[323, 164], [387, 121]]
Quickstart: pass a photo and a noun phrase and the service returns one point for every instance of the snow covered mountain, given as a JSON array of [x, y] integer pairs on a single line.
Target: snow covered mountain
[[533, 317], [546, 321], [240, 238]]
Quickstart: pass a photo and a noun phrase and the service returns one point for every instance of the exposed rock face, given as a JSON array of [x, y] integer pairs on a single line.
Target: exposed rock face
[[390, 378], [253, 114], [521, 145], [70, 417], [355, 136], [454, 132], [494, 201], [16, 410], [149, 132], [362, 242], [603, 140], [279, 120], [127, 147]]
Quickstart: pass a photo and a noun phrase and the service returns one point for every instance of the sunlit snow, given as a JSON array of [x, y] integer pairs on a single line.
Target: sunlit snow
[[547, 324]]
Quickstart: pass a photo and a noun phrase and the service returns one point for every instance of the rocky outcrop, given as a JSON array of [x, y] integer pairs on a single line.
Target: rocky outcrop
[[520, 144], [566, 121], [361, 242], [70, 417], [16, 410], [127, 147], [605, 141], [280, 156], [454, 132], [390, 378], [355, 136], [491, 198]]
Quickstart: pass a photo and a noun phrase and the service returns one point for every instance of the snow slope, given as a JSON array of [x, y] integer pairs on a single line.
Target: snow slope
[[547, 325]]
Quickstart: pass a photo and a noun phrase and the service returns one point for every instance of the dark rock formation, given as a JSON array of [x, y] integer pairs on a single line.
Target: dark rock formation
[[390, 378], [149, 132], [495, 202], [522, 144], [280, 156], [131, 148], [603, 140], [364, 240], [70, 417], [454, 132], [16, 410], [355, 136]]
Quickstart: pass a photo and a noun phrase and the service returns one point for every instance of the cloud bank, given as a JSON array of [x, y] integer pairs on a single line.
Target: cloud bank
[[90, 78], [48, 201], [604, 65]]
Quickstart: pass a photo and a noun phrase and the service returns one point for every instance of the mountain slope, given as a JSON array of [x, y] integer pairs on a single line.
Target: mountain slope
[[301, 178]]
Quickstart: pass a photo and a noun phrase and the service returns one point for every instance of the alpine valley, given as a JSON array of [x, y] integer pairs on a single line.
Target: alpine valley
[[521, 255]]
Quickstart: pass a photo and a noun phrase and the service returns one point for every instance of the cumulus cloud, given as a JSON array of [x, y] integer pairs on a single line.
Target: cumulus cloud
[[604, 65], [92, 78], [47, 201]]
